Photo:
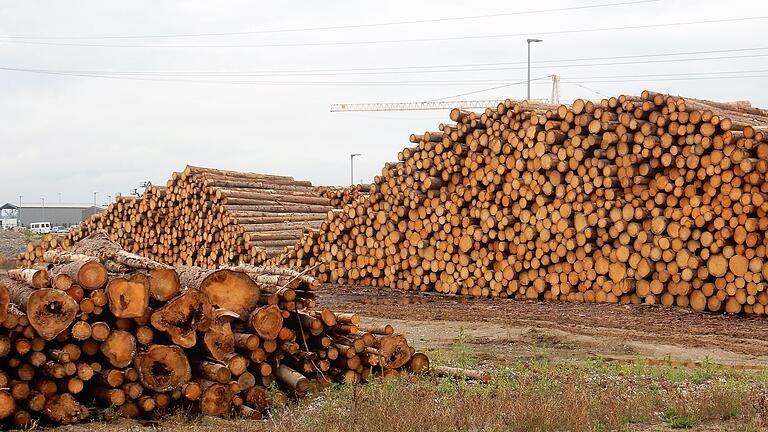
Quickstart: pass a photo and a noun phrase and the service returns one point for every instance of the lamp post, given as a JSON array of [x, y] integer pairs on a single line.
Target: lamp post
[[529, 64], [42, 211], [94, 198], [352, 168]]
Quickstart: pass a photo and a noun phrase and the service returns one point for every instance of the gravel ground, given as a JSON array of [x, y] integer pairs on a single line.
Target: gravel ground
[[11, 243]]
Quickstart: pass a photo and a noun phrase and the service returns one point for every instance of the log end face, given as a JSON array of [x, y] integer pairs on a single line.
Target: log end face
[[92, 275], [50, 312], [163, 368], [232, 290]]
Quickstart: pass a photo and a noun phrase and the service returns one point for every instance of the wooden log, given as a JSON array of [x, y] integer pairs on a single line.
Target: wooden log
[[163, 368]]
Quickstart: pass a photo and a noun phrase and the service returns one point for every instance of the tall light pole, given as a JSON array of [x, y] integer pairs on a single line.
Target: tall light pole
[[94, 198], [529, 64], [42, 211], [20, 197], [59, 197], [352, 168]]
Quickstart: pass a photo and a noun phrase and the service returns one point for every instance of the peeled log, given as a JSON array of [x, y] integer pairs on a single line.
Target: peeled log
[[129, 296], [267, 321], [183, 317], [119, 348], [163, 368]]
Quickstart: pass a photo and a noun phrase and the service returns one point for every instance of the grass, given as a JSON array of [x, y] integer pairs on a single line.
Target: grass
[[537, 395], [31, 236]]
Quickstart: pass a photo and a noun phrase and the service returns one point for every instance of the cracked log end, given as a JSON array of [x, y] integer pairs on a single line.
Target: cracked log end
[[50, 312], [267, 321], [216, 399], [395, 351], [64, 409], [183, 317], [232, 291], [163, 368], [129, 296]]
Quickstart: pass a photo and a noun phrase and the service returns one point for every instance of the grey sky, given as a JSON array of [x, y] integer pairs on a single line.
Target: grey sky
[[76, 135]]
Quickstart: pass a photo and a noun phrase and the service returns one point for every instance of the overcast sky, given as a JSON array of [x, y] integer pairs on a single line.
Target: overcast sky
[[107, 131]]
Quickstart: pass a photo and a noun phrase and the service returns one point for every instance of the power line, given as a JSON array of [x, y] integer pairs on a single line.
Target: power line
[[344, 27], [398, 41], [395, 68], [288, 74], [487, 89], [670, 76]]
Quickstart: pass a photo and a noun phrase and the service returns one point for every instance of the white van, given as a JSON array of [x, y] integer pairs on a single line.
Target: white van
[[40, 227]]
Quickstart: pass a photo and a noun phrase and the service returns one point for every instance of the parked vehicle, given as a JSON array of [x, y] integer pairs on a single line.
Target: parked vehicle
[[59, 230], [40, 227]]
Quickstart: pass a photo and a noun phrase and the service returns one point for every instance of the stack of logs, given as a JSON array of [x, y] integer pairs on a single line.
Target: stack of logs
[[98, 326], [340, 196], [651, 199], [205, 217]]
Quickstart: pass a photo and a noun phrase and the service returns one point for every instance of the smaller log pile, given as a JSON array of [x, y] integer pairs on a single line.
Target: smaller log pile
[[341, 196], [98, 326], [204, 217]]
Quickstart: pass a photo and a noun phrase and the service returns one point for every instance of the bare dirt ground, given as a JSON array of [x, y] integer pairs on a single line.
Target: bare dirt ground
[[11, 243], [503, 331]]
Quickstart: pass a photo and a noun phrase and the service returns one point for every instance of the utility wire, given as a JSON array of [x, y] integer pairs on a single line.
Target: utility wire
[[399, 41], [488, 89], [670, 76], [395, 68], [291, 74], [343, 27]]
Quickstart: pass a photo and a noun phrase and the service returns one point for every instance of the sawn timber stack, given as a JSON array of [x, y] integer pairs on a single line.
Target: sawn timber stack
[[651, 199], [98, 326], [205, 217]]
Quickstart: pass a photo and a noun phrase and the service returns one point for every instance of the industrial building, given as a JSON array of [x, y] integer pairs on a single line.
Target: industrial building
[[66, 215]]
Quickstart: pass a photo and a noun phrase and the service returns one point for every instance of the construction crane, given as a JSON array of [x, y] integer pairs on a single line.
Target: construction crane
[[437, 105]]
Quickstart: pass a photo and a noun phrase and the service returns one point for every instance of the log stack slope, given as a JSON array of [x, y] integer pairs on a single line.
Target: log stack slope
[[650, 199], [205, 217]]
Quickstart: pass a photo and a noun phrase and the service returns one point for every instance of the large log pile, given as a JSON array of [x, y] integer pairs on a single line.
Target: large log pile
[[205, 217], [652, 199], [98, 326], [339, 196]]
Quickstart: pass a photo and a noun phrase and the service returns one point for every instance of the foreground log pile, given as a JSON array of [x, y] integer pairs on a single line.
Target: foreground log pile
[[652, 199], [98, 326], [205, 217]]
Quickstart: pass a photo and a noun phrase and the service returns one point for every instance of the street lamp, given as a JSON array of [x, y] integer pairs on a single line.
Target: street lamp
[[42, 218], [529, 64], [20, 197], [94, 198], [352, 168]]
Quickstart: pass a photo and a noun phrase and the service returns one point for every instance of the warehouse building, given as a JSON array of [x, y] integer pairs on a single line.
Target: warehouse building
[[65, 215]]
